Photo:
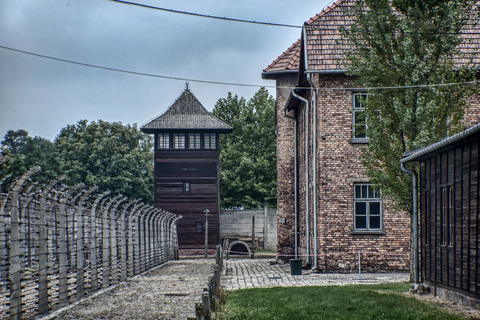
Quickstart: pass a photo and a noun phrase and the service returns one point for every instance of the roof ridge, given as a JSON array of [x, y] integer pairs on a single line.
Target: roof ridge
[[325, 10]]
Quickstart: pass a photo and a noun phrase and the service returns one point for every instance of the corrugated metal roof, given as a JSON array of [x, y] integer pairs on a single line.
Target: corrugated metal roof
[[186, 113]]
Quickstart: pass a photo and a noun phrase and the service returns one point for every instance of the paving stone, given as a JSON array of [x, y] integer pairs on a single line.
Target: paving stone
[[259, 273]]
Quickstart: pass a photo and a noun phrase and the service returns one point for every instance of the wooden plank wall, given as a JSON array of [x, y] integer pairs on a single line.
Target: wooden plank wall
[[200, 168], [449, 189]]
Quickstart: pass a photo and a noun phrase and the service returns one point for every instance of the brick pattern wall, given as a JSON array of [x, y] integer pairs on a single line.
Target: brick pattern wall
[[285, 169], [338, 169]]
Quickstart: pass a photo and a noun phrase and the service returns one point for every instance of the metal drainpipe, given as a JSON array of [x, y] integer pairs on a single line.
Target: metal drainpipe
[[294, 177], [315, 223], [416, 277], [307, 224]]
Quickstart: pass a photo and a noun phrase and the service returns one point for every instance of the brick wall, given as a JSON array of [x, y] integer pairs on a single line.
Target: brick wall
[[338, 169]]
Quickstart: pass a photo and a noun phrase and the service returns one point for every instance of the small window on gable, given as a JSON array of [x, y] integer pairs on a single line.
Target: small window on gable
[[163, 140], [179, 141], [194, 141], [198, 226], [367, 208], [359, 127], [210, 141]]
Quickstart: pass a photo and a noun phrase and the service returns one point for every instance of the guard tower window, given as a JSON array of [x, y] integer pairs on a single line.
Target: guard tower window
[[194, 141], [179, 141], [163, 140], [210, 141], [198, 226], [186, 186]]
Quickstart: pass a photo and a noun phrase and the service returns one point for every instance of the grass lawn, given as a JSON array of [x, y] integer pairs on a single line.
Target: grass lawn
[[329, 302]]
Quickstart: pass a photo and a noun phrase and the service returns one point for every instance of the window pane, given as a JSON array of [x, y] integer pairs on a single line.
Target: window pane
[[360, 208], [179, 141], [375, 208], [374, 222], [364, 192], [197, 140], [361, 222], [358, 192], [371, 192], [163, 141]]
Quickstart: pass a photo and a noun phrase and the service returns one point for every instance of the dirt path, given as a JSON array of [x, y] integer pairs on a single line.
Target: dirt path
[[168, 292]]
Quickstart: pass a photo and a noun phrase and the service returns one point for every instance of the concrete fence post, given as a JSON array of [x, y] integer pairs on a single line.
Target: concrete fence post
[[114, 235], [123, 239], [42, 249], [131, 238], [93, 242], [81, 243], [14, 258], [62, 245]]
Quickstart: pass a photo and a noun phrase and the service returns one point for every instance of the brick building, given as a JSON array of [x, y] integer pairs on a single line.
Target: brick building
[[324, 194]]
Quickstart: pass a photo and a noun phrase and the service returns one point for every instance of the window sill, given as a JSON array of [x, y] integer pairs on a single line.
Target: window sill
[[359, 140], [366, 232]]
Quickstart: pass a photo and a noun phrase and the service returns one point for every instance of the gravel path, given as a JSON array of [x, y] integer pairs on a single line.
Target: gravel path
[[167, 292]]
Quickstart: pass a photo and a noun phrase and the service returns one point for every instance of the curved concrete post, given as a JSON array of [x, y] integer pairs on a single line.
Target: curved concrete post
[[175, 237], [62, 246], [123, 239], [81, 243], [14, 256], [106, 241], [165, 235], [149, 238], [93, 241], [157, 242], [131, 238], [72, 234], [168, 235], [26, 229], [114, 237], [42, 249], [143, 239]]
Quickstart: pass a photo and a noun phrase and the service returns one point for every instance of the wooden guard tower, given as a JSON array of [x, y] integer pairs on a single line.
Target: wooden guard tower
[[187, 168]]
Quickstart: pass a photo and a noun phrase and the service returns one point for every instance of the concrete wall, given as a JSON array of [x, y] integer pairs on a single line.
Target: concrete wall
[[238, 224]]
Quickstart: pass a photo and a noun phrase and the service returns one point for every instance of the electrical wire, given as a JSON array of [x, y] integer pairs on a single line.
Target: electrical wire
[[234, 83], [207, 16], [308, 26]]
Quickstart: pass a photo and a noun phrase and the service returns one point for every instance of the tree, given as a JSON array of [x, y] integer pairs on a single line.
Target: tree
[[409, 44], [26, 152], [248, 155], [109, 155]]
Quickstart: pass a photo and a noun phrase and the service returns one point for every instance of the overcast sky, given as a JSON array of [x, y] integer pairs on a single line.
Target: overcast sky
[[42, 96]]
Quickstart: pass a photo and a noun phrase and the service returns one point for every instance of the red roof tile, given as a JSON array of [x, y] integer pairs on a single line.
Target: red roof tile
[[288, 60], [325, 48]]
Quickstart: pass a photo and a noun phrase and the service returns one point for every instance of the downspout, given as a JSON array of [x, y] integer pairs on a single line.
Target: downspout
[[295, 183], [315, 223], [307, 224], [416, 277]]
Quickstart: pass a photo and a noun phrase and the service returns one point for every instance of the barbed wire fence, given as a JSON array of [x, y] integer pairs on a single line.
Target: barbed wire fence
[[59, 244]]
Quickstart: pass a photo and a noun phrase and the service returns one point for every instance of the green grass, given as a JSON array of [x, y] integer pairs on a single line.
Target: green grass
[[329, 302]]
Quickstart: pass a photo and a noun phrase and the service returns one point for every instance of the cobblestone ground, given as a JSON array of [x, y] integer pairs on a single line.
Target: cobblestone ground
[[258, 273], [167, 292]]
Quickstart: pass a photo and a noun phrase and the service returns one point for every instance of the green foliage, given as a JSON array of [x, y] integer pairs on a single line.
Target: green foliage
[[109, 155], [248, 155], [410, 44], [330, 302], [25, 152]]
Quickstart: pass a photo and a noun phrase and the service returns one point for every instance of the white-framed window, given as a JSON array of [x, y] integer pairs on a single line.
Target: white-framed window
[[359, 126], [179, 141], [210, 140], [194, 141], [163, 140], [367, 208]]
